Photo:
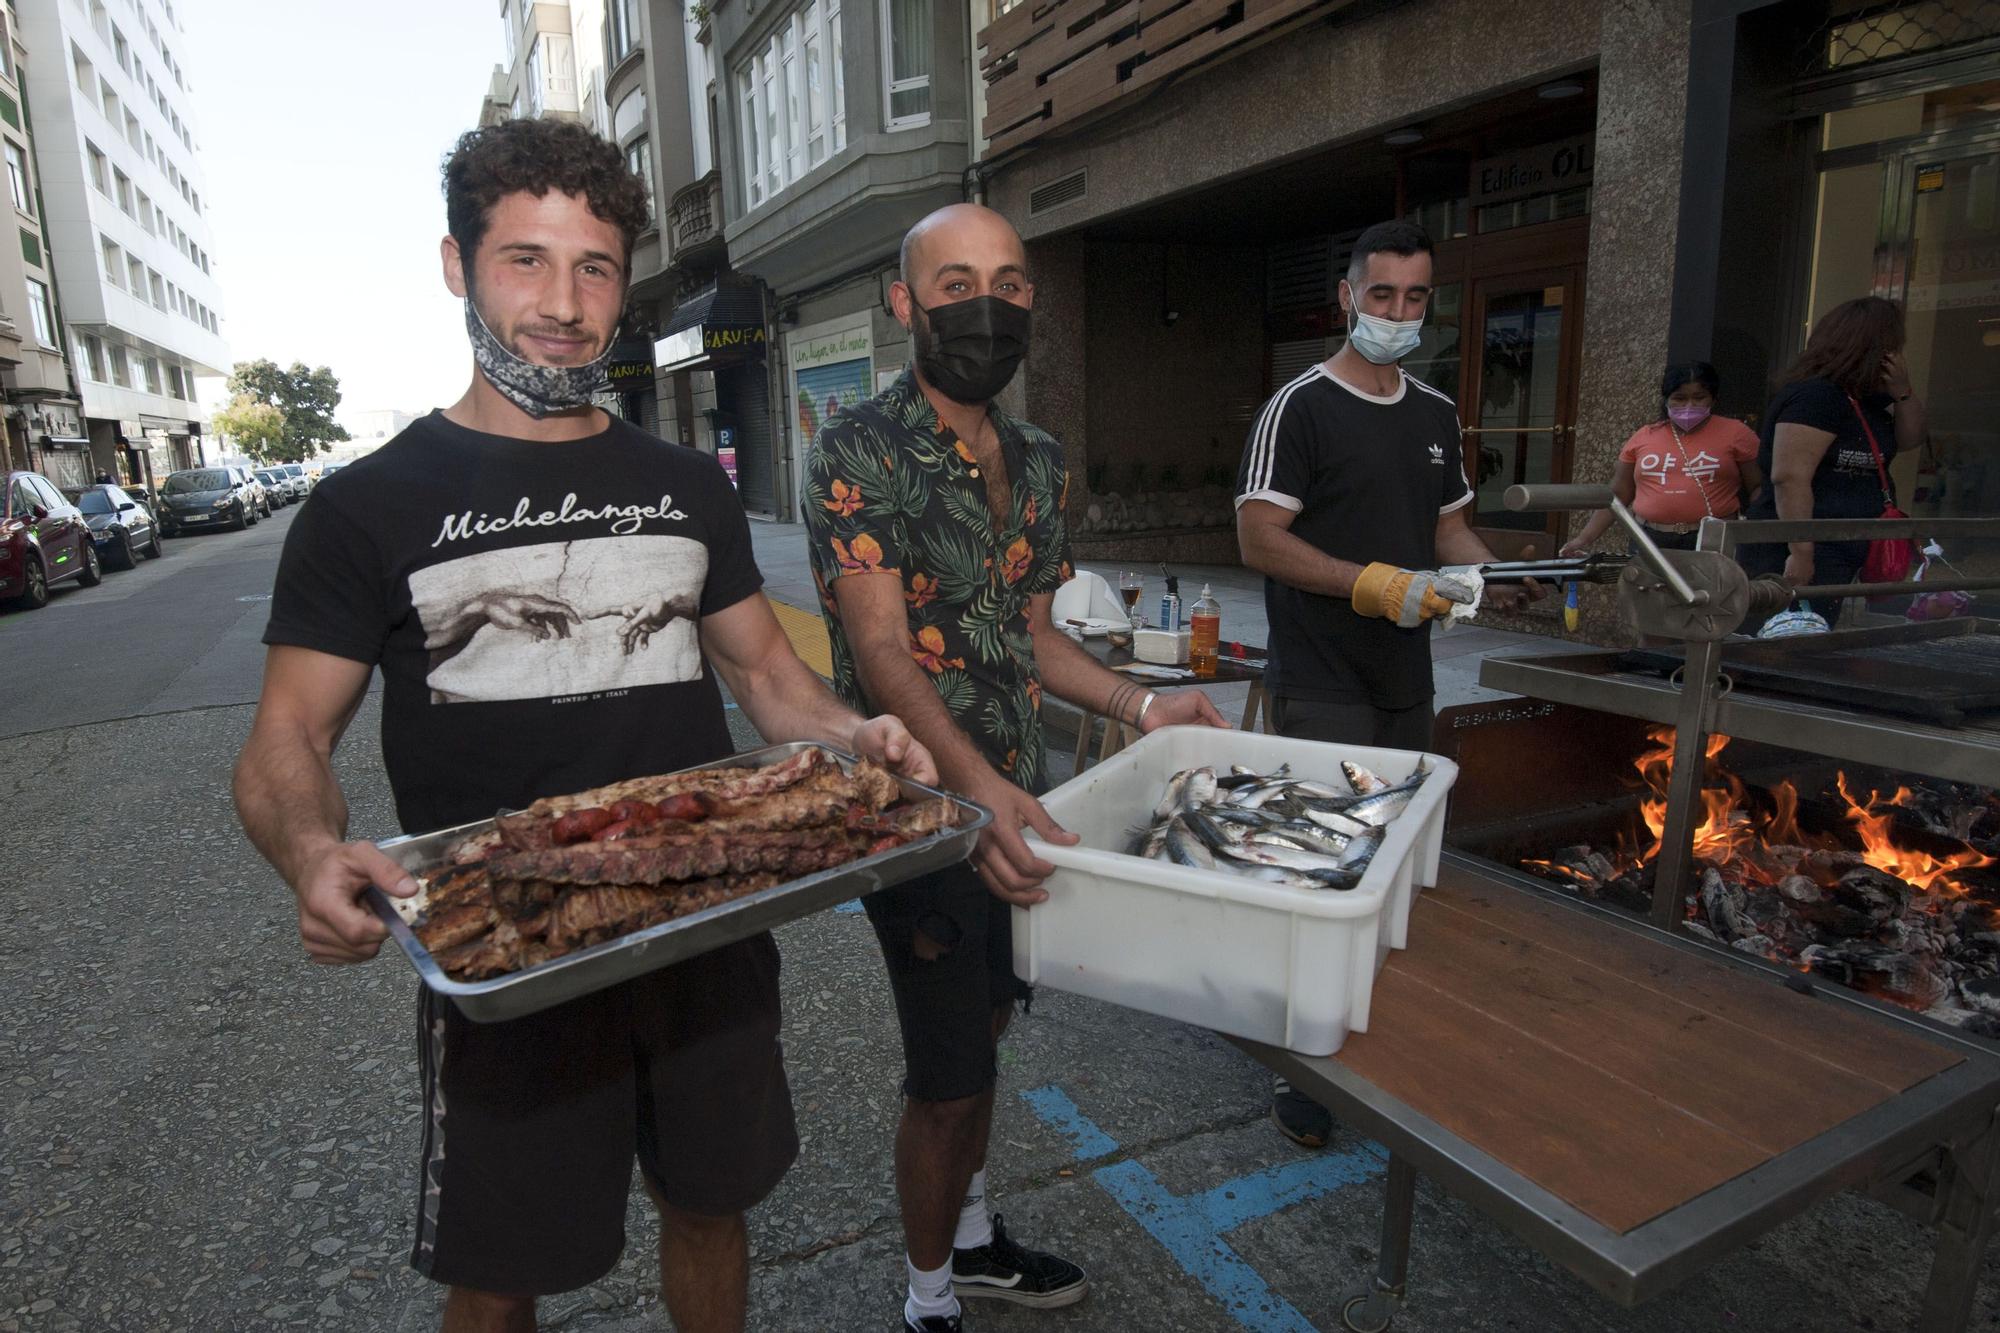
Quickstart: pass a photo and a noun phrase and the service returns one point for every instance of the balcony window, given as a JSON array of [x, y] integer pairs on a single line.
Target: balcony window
[[621, 30], [100, 168], [639, 159], [535, 79], [114, 262], [124, 190], [135, 277], [17, 181], [791, 100], [121, 367], [906, 40], [91, 354], [41, 313], [86, 80]]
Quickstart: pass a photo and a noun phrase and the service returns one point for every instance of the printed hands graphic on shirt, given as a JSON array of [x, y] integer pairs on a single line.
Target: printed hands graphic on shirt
[[541, 617], [646, 618]]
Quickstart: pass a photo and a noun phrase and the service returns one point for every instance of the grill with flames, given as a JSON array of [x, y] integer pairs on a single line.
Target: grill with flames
[[1897, 895]]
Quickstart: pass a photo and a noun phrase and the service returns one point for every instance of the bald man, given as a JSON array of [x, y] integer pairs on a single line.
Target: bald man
[[938, 540]]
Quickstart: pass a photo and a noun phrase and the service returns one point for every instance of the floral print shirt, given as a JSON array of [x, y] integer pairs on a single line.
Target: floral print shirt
[[889, 488]]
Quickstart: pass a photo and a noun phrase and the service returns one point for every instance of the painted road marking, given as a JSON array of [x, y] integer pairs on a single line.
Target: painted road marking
[[1191, 1227]]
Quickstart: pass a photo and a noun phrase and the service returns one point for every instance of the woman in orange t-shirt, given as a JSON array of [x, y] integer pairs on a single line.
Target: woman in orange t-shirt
[[1687, 466]]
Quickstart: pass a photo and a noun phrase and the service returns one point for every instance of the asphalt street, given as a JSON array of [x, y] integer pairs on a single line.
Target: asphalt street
[[204, 1132]]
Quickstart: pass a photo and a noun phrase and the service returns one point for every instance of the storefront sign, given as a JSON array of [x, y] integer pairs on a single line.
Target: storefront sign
[[1542, 169], [853, 345], [723, 340], [631, 365], [1930, 178]]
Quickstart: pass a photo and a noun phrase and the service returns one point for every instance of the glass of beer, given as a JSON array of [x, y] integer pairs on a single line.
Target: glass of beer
[[1130, 585]]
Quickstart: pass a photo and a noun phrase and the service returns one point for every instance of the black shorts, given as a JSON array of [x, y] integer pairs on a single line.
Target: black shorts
[[531, 1125], [946, 1005], [1353, 723]]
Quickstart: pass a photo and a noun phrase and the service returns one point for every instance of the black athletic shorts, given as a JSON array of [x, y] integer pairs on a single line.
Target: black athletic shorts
[[945, 1005], [531, 1125]]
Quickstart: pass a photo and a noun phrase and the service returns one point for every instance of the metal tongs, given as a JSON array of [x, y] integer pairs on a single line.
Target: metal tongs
[[1597, 567]]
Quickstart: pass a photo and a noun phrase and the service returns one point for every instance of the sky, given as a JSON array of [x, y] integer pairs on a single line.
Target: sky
[[321, 126]]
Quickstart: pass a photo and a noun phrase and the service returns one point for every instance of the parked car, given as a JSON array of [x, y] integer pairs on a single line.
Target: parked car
[[256, 488], [278, 485], [301, 478], [120, 524], [206, 497], [43, 540]]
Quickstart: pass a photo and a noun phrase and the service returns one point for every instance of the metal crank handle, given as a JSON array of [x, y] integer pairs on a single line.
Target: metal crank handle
[[1557, 496]]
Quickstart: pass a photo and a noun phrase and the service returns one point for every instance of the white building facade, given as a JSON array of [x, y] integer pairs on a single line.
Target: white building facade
[[125, 204]]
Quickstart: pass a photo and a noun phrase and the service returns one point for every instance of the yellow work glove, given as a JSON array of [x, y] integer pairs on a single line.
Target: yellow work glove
[[1407, 596]]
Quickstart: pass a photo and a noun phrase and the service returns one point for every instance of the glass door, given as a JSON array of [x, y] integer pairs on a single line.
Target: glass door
[[1522, 404], [1944, 264]]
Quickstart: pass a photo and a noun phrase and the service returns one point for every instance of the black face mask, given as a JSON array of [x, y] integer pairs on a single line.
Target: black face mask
[[969, 350]]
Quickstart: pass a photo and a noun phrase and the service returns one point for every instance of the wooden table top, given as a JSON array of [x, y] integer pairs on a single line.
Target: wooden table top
[[1624, 1077]]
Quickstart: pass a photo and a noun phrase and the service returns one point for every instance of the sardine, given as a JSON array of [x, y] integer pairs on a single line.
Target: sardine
[[1185, 849], [1199, 789], [1170, 800], [1338, 821], [1361, 850], [1363, 780]]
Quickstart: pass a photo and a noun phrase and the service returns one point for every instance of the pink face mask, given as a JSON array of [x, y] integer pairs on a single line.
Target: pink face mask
[[1688, 417]]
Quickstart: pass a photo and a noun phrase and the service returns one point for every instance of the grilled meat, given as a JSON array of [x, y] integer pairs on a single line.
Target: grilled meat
[[573, 871]]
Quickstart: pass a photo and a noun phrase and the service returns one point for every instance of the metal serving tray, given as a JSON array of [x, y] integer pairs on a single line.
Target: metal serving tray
[[628, 956]]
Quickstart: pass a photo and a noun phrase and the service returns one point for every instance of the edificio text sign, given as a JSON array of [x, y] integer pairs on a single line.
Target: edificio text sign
[[1543, 169]]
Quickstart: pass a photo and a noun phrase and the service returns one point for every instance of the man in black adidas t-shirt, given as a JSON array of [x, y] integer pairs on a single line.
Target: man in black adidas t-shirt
[[544, 589], [1350, 495]]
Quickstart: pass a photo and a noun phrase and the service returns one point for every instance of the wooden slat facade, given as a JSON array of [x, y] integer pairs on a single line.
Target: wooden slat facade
[[1049, 62]]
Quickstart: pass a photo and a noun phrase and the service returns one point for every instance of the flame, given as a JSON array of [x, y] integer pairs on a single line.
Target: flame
[[1732, 834], [1873, 819]]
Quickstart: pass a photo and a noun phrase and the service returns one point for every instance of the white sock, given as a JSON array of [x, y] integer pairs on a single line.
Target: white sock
[[930, 1293], [975, 1224]]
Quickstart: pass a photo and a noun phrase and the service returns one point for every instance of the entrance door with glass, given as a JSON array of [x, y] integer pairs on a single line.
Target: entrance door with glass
[[1521, 398]]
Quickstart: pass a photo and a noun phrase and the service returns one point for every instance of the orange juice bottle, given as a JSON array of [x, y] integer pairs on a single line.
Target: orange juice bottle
[[1204, 633]]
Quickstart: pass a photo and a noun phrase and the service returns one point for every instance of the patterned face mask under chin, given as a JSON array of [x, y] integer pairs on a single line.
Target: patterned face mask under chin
[[536, 390]]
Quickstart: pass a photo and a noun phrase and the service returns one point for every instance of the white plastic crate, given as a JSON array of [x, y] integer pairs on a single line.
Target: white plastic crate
[[1288, 967]]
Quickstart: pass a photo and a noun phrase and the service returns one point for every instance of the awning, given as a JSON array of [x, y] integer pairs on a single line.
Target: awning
[[65, 442], [631, 365], [725, 318]]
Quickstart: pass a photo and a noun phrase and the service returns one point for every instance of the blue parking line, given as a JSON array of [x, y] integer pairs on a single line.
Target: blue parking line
[[1059, 1113], [1191, 1227]]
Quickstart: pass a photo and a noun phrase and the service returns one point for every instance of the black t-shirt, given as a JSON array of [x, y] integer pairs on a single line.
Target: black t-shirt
[[1367, 477], [534, 608], [1845, 485]]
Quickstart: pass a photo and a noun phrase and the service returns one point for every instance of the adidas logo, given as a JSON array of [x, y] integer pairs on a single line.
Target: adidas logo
[[1437, 454]]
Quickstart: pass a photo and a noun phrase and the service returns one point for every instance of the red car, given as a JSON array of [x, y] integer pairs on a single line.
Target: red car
[[44, 539]]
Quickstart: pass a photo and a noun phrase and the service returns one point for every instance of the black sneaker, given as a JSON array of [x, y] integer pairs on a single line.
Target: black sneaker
[[1003, 1270], [1300, 1118], [932, 1323]]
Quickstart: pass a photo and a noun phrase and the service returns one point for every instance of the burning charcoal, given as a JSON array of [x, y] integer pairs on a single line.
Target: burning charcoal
[[1981, 994], [1699, 931], [1784, 856], [1798, 888], [1726, 906], [1760, 946], [1833, 921], [1880, 895], [1827, 864]]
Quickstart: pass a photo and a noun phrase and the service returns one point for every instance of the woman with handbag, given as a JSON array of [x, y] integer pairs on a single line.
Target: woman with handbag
[[1845, 409], [1689, 465]]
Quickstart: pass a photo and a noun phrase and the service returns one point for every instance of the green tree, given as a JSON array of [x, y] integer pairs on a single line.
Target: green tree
[[305, 397], [257, 430]]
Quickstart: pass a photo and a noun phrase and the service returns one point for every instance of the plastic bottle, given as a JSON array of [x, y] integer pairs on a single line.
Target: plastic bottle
[[1170, 602], [1204, 633]]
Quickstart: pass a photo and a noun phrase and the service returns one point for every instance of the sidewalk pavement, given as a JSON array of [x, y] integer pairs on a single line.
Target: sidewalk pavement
[[1456, 653]]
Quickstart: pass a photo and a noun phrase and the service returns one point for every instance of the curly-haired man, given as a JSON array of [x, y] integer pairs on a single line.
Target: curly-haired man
[[542, 587]]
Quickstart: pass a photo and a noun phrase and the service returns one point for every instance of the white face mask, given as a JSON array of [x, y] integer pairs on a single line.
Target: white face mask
[[1384, 341]]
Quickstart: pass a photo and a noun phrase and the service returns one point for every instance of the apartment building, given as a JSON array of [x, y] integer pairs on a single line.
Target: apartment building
[[620, 67], [838, 123], [124, 199], [43, 415]]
